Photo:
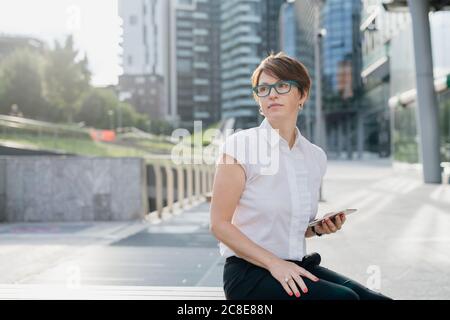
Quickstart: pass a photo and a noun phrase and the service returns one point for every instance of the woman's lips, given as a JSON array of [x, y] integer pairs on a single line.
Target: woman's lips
[[275, 105]]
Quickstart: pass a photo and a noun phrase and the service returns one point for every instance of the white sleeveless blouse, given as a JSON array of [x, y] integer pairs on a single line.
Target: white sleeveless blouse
[[281, 191]]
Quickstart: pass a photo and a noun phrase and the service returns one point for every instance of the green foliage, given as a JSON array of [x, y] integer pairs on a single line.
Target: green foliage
[[21, 83], [95, 108], [160, 127], [100, 108], [55, 86], [66, 79]]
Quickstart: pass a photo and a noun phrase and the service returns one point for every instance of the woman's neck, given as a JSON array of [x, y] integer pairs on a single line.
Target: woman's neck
[[286, 130]]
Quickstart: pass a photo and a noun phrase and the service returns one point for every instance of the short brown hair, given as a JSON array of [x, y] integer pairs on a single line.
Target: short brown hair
[[283, 67]]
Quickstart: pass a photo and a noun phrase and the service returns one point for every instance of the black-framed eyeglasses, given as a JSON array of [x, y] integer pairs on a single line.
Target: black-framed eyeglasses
[[281, 87]]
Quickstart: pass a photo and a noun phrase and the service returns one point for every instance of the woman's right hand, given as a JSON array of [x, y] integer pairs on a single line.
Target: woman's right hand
[[282, 269]]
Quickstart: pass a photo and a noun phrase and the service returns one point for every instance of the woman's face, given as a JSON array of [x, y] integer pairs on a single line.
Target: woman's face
[[280, 106]]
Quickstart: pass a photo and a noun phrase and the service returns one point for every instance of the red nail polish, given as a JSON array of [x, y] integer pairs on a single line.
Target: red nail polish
[[297, 295], [305, 291], [290, 293]]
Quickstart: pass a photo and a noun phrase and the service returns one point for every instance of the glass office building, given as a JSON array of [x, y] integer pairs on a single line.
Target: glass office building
[[341, 78], [377, 29], [389, 81], [249, 32], [403, 99], [195, 61], [171, 59], [297, 40]]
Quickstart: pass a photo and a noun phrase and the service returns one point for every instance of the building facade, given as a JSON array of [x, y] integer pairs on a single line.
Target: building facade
[[377, 28], [389, 81], [170, 57], [341, 76], [249, 33], [405, 128], [145, 57], [297, 40], [196, 60]]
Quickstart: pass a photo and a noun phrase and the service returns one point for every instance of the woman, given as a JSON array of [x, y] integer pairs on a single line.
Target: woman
[[260, 213]]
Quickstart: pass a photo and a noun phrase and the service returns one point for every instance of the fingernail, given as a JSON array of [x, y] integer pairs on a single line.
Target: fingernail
[[317, 279], [290, 293], [297, 295], [305, 291]]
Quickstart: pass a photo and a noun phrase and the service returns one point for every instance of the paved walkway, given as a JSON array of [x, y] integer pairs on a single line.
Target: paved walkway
[[401, 231], [397, 243]]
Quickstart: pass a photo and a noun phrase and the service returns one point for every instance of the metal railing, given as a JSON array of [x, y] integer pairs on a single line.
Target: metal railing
[[75, 139], [174, 186]]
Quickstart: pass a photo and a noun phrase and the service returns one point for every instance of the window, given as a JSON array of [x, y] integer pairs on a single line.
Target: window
[[184, 65], [132, 20], [139, 80], [144, 34], [130, 60]]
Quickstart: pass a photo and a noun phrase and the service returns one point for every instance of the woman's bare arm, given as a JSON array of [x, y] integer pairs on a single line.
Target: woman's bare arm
[[309, 233], [229, 183]]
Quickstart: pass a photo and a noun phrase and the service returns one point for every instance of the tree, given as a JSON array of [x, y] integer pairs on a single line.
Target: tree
[[130, 117], [21, 78], [100, 108], [161, 127], [95, 106], [66, 79]]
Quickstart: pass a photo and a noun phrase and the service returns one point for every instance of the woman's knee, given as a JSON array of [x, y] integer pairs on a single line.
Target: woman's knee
[[344, 293], [365, 293]]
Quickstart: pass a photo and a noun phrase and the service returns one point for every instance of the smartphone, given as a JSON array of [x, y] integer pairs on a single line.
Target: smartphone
[[331, 215]]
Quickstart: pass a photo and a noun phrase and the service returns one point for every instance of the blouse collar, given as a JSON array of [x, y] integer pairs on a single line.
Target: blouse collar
[[274, 138]]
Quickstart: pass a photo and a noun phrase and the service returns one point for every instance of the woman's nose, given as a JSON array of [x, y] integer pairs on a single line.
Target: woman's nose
[[273, 94]]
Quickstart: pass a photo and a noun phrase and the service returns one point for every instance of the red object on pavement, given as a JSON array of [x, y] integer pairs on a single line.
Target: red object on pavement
[[103, 135]]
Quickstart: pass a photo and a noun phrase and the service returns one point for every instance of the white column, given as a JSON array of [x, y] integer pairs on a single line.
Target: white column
[[427, 110]]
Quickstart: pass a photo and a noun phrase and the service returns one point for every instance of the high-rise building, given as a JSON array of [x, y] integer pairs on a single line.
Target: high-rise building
[[249, 32], [145, 57], [171, 59], [377, 28], [342, 47], [297, 41], [196, 57], [390, 95], [341, 77]]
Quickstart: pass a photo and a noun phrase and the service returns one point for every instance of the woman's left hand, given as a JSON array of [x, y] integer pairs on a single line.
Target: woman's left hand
[[331, 225]]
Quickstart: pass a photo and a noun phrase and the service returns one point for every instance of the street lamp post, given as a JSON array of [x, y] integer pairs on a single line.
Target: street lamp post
[[111, 119], [119, 118]]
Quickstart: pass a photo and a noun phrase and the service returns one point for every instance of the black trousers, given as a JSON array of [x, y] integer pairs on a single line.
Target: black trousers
[[245, 281]]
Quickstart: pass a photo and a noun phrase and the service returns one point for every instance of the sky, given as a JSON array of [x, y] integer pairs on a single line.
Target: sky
[[95, 25]]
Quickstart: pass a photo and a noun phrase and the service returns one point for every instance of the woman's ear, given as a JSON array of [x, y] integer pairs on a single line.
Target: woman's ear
[[303, 97]]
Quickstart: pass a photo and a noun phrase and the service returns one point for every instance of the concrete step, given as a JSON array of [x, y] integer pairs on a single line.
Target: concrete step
[[54, 292]]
